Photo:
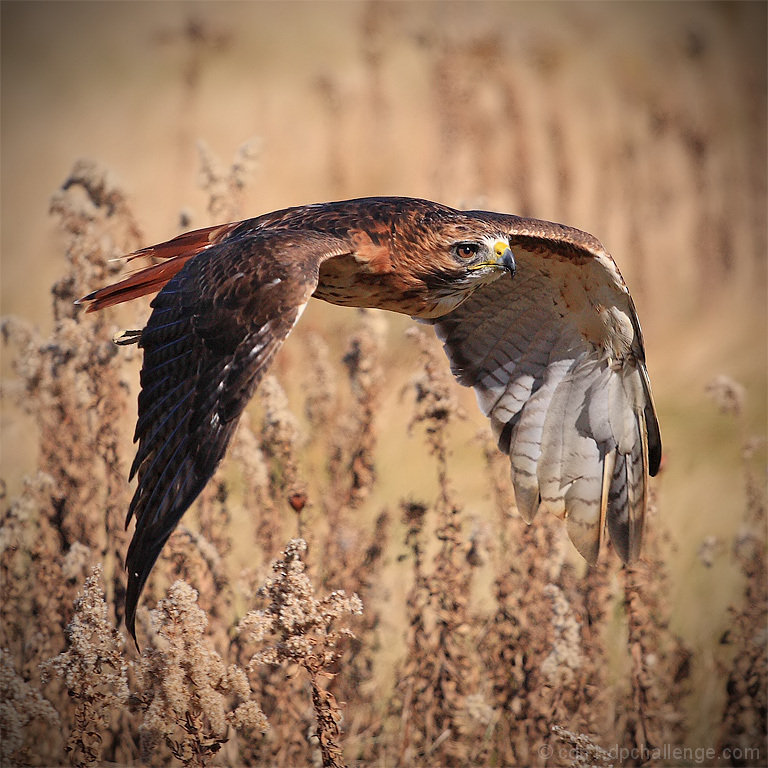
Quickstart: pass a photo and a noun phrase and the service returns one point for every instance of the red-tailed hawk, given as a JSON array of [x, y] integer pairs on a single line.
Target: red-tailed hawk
[[535, 316]]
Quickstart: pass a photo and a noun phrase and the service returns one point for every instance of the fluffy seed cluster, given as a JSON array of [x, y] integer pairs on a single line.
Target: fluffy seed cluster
[[188, 686], [302, 625], [94, 665], [93, 669], [20, 704], [302, 631]]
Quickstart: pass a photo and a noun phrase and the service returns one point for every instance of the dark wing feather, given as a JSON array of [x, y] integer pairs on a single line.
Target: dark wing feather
[[556, 360], [213, 332]]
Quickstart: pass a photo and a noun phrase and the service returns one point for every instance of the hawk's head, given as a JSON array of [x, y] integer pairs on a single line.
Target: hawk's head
[[421, 259], [459, 266]]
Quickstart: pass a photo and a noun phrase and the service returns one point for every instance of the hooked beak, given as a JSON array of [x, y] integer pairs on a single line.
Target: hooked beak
[[506, 260]]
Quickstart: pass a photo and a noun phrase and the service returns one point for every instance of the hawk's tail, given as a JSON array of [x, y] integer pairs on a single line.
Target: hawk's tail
[[176, 252], [149, 280]]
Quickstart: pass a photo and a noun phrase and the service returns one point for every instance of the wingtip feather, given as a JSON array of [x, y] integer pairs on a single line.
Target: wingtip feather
[[628, 498], [527, 497]]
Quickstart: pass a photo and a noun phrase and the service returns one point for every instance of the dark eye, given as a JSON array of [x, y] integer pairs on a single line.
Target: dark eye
[[467, 250]]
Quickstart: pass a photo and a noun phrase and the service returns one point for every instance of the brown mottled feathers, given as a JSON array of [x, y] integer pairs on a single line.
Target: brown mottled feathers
[[554, 353]]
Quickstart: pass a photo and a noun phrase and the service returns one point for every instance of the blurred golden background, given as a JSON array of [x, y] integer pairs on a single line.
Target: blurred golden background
[[642, 123]]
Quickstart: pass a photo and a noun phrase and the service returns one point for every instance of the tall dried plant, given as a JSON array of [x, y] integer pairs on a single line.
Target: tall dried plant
[[187, 694], [438, 698], [745, 713], [21, 706], [302, 631], [94, 671], [72, 384]]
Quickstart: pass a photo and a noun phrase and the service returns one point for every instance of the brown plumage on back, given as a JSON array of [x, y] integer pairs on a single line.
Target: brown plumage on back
[[535, 316]]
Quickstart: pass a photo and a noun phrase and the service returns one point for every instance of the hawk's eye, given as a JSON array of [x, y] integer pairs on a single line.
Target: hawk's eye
[[466, 250]]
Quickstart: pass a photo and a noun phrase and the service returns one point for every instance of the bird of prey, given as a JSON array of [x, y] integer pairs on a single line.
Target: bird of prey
[[533, 315]]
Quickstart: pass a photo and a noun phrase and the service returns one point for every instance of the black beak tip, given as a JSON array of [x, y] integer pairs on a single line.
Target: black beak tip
[[508, 262]]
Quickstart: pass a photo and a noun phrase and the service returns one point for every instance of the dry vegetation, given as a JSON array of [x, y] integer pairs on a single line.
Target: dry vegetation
[[522, 679], [311, 609]]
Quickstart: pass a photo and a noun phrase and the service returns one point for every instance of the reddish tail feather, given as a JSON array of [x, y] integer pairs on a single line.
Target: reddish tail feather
[[177, 253]]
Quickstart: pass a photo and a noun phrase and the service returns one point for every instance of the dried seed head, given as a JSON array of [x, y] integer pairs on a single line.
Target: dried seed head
[[301, 624]]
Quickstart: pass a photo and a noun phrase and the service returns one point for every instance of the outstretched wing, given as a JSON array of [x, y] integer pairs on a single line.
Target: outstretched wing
[[213, 332], [556, 358]]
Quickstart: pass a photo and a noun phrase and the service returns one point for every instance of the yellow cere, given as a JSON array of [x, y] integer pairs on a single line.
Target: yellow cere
[[499, 247]]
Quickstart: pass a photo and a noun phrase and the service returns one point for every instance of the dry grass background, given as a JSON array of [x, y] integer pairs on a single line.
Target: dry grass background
[[481, 641]]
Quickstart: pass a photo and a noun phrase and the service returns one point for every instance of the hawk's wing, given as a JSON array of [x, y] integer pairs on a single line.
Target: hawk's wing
[[556, 358], [213, 332]]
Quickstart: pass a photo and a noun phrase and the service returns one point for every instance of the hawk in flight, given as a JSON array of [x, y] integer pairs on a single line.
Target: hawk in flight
[[534, 315]]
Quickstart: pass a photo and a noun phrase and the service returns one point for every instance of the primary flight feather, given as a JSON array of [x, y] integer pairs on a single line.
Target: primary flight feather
[[534, 316]]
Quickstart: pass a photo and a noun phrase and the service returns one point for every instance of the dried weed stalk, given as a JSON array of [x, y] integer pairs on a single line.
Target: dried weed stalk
[[352, 535], [439, 700], [320, 390], [352, 467], [436, 403], [20, 705], [186, 689], [197, 558], [72, 384], [302, 632], [94, 671], [251, 457], [280, 440], [746, 707], [565, 657], [660, 662], [31, 570], [545, 658], [225, 185], [349, 445]]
